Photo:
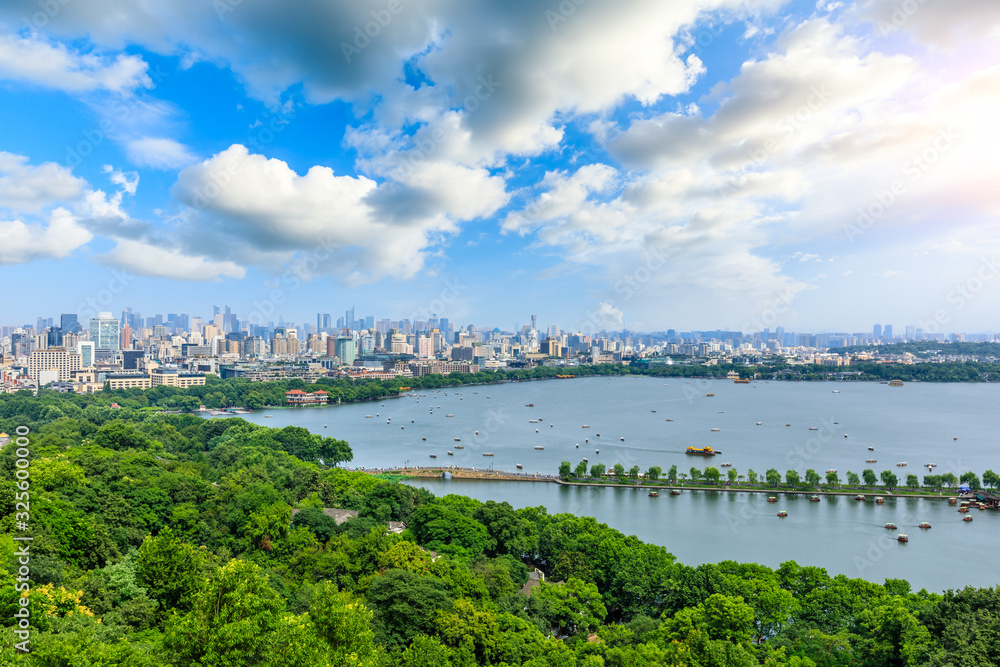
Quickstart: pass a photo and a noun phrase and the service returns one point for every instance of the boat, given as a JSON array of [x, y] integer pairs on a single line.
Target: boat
[[871, 449], [952, 501], [715, 430], [268, 416], [963, 509], [585, 426], [901, 464], [836, 391], [891, 526], [622, 439], [654, 494], [832, 470], [423, 438], [782, 514], [759, 423], [434, 456], [871, 460], [726, 465], [814, 499], [709, 395], [675, 492], [859, 497], [653, 411], [895, 383], [703, 451], [813, 428], [787, 424], [487, 453], [741, 381], [967, 518], [451, 453], [902, 538], [449, 415], [459, 446], [529, 405], [532, 421], [458, 439], [670, 420], [597, 451], [586, 460], [924, 524], [772, 499], [519, 466], [539, 447], [879, 500]]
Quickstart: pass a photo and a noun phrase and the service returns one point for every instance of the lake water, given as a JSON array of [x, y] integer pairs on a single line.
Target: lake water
[[916, 424]]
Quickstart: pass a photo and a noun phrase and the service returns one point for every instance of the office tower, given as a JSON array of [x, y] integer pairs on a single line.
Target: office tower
[[340, 323], [534, 322], [55, 336], [887, 332], [349, 318], [877, 331], [68, 323], [369, 322], [345, 350], [85, 348], [126, 337], [319, 321], [104, 332], [215, 311], [43, 324], [911, 332]]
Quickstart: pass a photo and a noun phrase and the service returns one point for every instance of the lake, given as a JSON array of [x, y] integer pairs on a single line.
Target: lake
[[650, 421]]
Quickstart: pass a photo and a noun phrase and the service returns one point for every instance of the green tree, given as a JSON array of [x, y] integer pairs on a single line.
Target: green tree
[[695, 475], [832, 478], [932, 481], [991, 479], [654, 473], [170, 570], [792, 477], [852, 479], [913, 481], [773, 477], [672, 474], [345, 624], [869, 476], [731, 475], [751, 476], [565, 469], [573, 606], [597, 470], [234, 619], [889, 480], [812, 477], [619, 470], [405, 604], [972, 479], [581, 470], [633, 472], [949, 479], [712, 474]]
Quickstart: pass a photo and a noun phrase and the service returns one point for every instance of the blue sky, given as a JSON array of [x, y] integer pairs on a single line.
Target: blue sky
[[713, 164]]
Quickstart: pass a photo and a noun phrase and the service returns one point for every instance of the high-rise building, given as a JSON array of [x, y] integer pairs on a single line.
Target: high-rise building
[[345, 349], [369, 322], [55, 359], [85, 348], [69, 323], [104, 332], [534, 322], [126, 337], [349, 319], [877, 331], [887, 331], [911, 332], [55, 337]]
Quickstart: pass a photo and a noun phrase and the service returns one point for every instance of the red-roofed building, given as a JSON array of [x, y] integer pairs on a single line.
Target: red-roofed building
[[299, 397]]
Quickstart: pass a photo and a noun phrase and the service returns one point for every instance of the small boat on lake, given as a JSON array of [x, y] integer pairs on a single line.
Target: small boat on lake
[[890, 526], [871, 461], [859, 497], [879, 500], [782, 514], [539, 447], [458, 440], [952, 501], [654, 494], [519, 466], [901, 464], [434, 456], [451, 453], [814, 499], [924, 524], [902, 538], [709, 395], [772, 499], [487, 453], [967, 518], [459, 446], [675, 492]]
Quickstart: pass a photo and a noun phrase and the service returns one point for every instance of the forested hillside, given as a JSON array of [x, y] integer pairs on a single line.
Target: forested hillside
[[170, 540]]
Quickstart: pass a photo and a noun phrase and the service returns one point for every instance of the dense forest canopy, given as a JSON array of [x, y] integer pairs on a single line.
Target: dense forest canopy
[[167, 539]]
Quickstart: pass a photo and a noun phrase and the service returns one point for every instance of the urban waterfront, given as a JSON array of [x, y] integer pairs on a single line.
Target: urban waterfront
[[916, 424]]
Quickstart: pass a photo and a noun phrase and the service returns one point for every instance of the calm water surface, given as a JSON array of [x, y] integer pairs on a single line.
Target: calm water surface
[[916, 424]]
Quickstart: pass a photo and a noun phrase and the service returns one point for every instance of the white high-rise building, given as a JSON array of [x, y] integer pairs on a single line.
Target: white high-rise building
[[104, 332]]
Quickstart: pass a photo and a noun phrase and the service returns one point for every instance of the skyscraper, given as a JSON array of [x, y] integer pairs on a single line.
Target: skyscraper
[[68, 323], [345, 350], [104, 332], [349, 318], [887, 332], [877, 331], [534, 322]]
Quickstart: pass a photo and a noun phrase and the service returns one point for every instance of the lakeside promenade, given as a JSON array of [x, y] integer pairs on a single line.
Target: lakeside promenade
[[506, 476]]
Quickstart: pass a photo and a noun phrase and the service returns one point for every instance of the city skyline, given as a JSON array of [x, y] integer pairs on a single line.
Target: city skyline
[[813, 165]]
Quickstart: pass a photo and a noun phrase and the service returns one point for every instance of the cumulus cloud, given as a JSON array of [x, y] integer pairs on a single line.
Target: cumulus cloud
[[145, 259], [159, 153], [35, 61]]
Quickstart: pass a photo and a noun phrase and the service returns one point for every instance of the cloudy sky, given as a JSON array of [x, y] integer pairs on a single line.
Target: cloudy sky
[[688, 164]]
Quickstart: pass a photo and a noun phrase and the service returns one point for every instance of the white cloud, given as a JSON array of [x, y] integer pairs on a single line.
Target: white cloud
[[36, 62], [145, 259], [54, 238], [28, 188], [159, 153]]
